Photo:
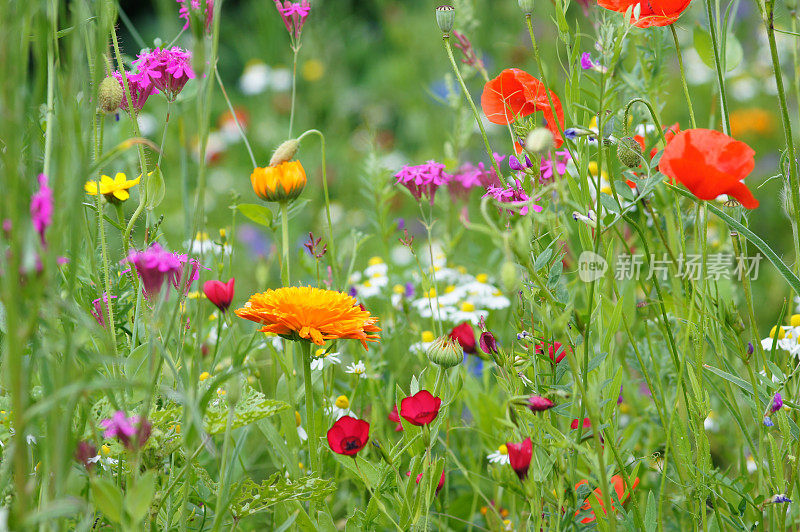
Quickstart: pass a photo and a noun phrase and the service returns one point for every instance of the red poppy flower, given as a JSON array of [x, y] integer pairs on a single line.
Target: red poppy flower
[[653, 12], [395, 417], [465, 336], [421, 408], [515, 93], [552, 349], [669, 134], [348, 435], [520, 454], [619, 487], [219, 293], [710, 163]]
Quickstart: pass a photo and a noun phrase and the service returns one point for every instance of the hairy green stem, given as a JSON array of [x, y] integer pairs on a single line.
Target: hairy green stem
[[683, 75]]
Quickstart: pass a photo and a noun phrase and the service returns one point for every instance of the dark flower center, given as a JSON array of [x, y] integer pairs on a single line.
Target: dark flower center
[[351, 443], [425, 414]]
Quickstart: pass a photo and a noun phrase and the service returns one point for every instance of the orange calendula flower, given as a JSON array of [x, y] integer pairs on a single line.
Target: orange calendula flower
[[311, 313], [282, 182], [619, 488]]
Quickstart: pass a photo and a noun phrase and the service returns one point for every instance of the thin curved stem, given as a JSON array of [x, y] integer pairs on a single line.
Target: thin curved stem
[[235, 118], [683, 75]]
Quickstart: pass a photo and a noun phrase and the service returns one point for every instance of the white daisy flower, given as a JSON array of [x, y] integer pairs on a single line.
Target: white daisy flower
[[376, 268], [301, 433], [321, 358], [340, 407], [202, 244], [424, 343], [255, 78], [357, 369], [500, 456], [468, 312]]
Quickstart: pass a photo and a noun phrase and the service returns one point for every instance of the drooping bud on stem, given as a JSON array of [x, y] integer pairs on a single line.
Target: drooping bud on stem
[[285, 152], [539, 141], [109, 95], [629, 152]]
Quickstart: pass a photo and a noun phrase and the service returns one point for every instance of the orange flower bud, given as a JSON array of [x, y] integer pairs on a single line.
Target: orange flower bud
[[282, 182]]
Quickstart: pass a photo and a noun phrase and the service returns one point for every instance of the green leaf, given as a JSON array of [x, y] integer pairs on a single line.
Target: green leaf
[[257, 213], [650, 514], [139, 497], [704, 47], [107, 499], [244, 414], [253, 498], [154, 185]]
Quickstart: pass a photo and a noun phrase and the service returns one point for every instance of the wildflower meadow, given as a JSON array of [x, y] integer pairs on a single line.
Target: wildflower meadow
[[319, 265]]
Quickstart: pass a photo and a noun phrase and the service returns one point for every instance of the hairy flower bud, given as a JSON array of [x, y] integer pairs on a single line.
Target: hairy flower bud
[[109, 95], [285, 152], [629, 152], [509, 276], [539, 141], [445, 18], [445, 352]]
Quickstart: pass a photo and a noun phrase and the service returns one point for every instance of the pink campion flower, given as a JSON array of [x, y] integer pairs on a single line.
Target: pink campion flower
[[187, 6], [42, 207], [128, 430], [537, 403], [141, 88], [549, 167], [99, 305], [294, 16], [470, 176], [513, 194], [154, 265], [178, 280], [423, 179], [166, 70]]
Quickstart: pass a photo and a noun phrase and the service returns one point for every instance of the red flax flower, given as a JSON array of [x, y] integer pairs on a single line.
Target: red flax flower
[[710, 163], [653, 12], [348, 435], [421, 408], [395, 418], [619, 487], [465, 336], [219, 293], [520, 454], [515, 93], [557, 351]]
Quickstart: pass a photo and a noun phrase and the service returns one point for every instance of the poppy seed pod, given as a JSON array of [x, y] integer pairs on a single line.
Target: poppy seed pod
[[109, 95], [445, 18], [285, 152], [539, 141], [629, 152], [445, 352], [526, 6], [283, 182]]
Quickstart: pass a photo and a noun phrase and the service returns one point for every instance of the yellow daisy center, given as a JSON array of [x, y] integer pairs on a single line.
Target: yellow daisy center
[[427, 337], [342, 402]]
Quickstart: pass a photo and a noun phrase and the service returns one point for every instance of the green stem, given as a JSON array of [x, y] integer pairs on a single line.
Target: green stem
[[683, 75], [295, 50], [235, 118], [726, 123], [313, 439], [218, 510], [449, 49], [285, 277]]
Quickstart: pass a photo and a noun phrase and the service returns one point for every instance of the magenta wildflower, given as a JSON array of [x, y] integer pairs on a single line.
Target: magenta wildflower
[[777, 403], [189, 6], [140, 87], [97, 311], [586, 61], [470, 176], [537, 403], [177, 278], [424, 179], [294, 16], [154, 265], [549, 167], [125, 429], [42, 207], [514, 195], [470, 57], [167, 70]]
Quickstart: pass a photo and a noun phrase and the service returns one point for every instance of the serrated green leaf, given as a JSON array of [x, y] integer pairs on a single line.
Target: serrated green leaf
[[244, 414], [253, 498]]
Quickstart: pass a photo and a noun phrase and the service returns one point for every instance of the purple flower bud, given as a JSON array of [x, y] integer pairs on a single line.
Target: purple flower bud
[[777, 403], [513, 163], [750, 348], [780, 498], [537, 403], [586, 61]]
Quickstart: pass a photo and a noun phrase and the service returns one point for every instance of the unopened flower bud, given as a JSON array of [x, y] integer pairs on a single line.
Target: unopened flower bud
[[285, 152], [539, 141], [537, 403], [109, 95], [445, 352], [488, 343], [629, 152], [526, 6], [509, 276], [445, 18]]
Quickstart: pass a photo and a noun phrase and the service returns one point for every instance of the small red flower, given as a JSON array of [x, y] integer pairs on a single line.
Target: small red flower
[[619, 487], [438, 487], [520, 454], [421, 408], [395, 417], [653, 12], [515, 93], [219, 293], [586, 423], [465, 336], [552, 349], [348, 435], [537, 403], [710, 163]]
